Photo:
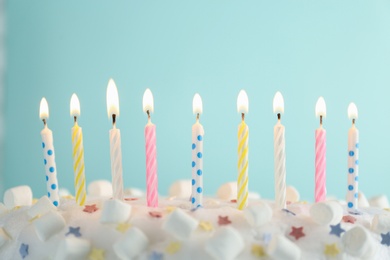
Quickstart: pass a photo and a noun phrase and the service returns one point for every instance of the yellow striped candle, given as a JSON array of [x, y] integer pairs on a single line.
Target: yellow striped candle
[[243, 136], [78, 153]]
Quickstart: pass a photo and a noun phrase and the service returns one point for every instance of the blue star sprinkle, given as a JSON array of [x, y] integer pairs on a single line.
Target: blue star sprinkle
[[289, 212], [23, 250], [74, 231], [385, 239], [267, 238], [354, 212], [336, 230], [156, 256]]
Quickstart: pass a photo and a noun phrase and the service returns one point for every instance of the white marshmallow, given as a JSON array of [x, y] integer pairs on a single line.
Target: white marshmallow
[[292, 194], [115, 211], [381, 223], [18, 196], [281, 248], [3, 237], [62, 192], [3, 209], [180, 224], [362, 200], [42, 206], [73, 248], [258, 215], [380, 201], [226, 243], [100, 188], [181, 189], [326, 213], [359, 243], [228, 191], [48, 225], [134, 192], [253, 195], [131, 244]]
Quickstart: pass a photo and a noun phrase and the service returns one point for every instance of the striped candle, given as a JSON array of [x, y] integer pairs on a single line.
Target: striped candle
[[353, 159], [320, 156]]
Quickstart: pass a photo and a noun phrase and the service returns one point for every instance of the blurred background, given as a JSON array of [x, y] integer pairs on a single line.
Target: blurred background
[[336, 49]]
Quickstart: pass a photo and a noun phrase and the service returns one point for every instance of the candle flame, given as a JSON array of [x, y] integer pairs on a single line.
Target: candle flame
[[352, 111], [321, 107], [278, 103], [112, 99], [197, 104], [44, 109], [242, 102], [74, 105], [148, 101]]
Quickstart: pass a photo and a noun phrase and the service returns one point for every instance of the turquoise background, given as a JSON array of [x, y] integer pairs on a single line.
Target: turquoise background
[[305, 49]]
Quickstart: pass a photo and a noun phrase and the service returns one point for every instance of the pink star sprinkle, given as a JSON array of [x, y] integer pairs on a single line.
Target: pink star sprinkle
[[233, 201], [155, 214], [297, 232], [130, 199], [349, 219], [223, 220], [90, 208]]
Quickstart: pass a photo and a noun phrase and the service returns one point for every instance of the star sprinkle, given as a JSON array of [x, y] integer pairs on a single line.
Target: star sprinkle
[[130, 199], [267, 238], [34, 218], [223, 220], [155, 214], [349, 219], [96, 254], [385, 239], [331, 250], [123, 227], [173, 248], [23, 250], [90, 208], [258, 251], [289, 212], [336, 230], [206, 226], [156, 256], [297, 232], [74, 231], [169, 209], [233, 201]]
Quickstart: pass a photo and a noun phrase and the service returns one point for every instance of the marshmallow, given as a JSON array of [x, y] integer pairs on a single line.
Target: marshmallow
[[253, 195], [228, 191], [115, 211], [72, 248], [43, 206], [134, 192], [381, 223], [380, 201], [292, 194], [362, 200], [180, 224], [100, 188], [326, 213], [18, 196], [359, 243], [62, 192], [181, 189], [281, 248], [3, 237], [3, 208], [226, 243], [131, 244], [48, 225], [258, 215]]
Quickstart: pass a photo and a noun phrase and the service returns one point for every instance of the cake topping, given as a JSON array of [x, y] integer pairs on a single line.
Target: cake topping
[[131, 244], [115, 211], [297, 232], [258, 251], [90, 208], [123, 227], [223, 220], [96, 254], [173, 248], [206, 226], [349, 219], [74, 231], [385, 239], [155, 214], [225, 244], [180, 224], [331, 250], [336, 230], [23, 250]]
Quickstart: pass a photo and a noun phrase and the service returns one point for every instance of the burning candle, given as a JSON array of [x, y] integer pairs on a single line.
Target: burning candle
[[115, 141], [353, 159], [320, 161], [78, 152], [243, 136], [197, 154], [48, 155], [279, 154], [151, 152]]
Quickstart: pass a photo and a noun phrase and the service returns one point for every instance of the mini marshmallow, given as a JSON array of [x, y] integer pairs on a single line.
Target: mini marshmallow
[[42, 206], [131, 244], [381, 223], [3, 237], [73, 248], [3, 208], [100, 188], [359, 243], [226, 243], [134, 192], [115, 211], [281, 248], [62, 192], [180, 224], [181, 189], [326, 213], [258, 215], [292, 194], [18, 196], [253, 195], [48, 225], [228, 191], [362, 200], [380, 201]]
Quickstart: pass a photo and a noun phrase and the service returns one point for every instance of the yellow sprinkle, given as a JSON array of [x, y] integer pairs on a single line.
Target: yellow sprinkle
[[34, 218], [35, 200], [173, 248], [69, 197], [16, 207], [96, 254], [169, 209], [331, 249], [387, 209], [123, 227], [258, 251], [205, 225]]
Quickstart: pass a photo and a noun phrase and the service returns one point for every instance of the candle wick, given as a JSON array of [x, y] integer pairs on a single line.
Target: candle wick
[[147, 112], [197, 116], [44, 121], [113, 119], [279, 116], [321, 120], [75, 119], [242, 116], [353, 121]]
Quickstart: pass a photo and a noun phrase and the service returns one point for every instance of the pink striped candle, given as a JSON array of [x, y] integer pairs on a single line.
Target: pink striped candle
[[320, 158], [151, 153]]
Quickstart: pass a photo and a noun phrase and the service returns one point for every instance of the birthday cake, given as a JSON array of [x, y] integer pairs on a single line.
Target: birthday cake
[[106, 228]]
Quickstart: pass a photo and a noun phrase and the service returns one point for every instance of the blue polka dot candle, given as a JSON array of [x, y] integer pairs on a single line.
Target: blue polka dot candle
[[197, 155], [353, 159], [48, 155]]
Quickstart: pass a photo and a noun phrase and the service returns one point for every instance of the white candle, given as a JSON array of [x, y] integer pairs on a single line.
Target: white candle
[[279, 154], [115, 141], [197, 154], [48, 155], [353, 159]]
